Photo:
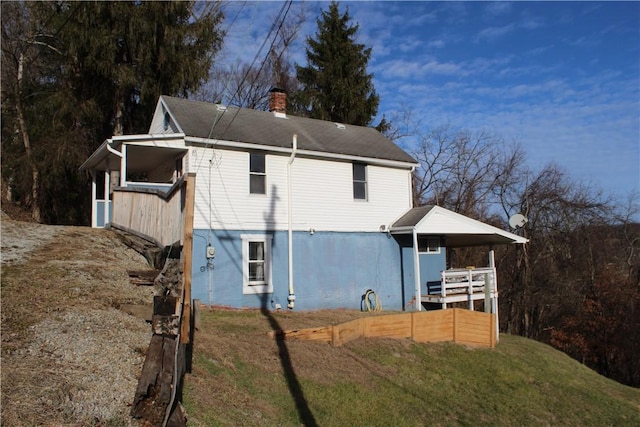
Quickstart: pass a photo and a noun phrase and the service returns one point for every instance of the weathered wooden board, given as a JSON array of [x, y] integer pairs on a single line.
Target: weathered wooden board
[[153, 393]]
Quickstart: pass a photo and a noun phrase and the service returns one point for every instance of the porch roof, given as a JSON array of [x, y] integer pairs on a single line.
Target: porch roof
[[139, 158], [458, 230]]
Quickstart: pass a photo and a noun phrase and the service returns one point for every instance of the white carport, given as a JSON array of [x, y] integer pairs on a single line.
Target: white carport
[[456, 230]]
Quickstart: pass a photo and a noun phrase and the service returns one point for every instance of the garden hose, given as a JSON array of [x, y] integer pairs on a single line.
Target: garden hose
[[371, 301]]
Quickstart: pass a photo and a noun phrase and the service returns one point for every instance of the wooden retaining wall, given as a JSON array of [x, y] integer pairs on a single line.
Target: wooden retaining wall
[[461, 326]]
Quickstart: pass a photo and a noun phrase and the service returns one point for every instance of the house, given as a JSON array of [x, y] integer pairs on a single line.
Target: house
[[286, 211]]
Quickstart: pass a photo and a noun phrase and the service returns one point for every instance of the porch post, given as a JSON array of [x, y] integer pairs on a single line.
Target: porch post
[[416, 270], [492, 265], [123, 166], [107, 185], [94, 203]]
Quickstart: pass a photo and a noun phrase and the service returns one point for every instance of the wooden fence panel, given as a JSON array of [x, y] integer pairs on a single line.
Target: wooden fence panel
[[389, 326], [152, 213], [348, 331], [473, 328], [434, 326]]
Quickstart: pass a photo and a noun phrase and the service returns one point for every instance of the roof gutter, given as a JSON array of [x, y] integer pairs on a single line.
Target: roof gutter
[[309, 153]]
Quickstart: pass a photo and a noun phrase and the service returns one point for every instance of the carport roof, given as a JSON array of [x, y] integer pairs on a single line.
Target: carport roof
[[458, 230]]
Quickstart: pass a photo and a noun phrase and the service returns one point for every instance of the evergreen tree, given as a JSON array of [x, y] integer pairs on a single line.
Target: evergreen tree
[[75, 73], [335, 83]]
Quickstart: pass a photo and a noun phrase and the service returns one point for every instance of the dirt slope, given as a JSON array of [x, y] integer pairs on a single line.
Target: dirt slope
[[70, 356]]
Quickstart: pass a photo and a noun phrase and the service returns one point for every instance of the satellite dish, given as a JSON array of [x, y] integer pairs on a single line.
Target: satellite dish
[[517, 221]]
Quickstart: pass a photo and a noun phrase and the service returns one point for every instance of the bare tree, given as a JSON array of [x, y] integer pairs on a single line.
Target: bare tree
[[463, 170], [248, 84]]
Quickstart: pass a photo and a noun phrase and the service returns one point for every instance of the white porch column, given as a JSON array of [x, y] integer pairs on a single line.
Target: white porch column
[[123, 166], [107, 185], [94, 203], [416, 271], [492, 265]]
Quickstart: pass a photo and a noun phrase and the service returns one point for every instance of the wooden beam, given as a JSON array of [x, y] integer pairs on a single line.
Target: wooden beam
[[187, 255]]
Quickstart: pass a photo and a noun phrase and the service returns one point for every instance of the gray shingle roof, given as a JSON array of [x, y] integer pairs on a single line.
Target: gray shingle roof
[[262, 127], [412, 217]]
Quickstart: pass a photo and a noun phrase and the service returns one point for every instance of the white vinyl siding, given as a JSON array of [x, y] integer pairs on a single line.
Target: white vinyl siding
[[322, 194]]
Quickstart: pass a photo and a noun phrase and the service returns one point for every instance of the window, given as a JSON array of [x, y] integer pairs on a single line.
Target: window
[[257, 174], [256, 264], [429, 245], [360, 181]]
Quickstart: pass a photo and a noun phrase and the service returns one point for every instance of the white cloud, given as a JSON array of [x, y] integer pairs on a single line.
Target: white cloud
[[492, 33]]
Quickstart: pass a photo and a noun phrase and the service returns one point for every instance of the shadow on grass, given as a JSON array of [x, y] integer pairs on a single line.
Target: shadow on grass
[[304, 412]]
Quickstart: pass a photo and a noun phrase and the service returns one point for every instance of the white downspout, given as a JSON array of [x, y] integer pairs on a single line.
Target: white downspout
[[416, 270], [291, 299]]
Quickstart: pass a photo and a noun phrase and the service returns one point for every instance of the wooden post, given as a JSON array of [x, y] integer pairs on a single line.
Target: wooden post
[[187, 254], [455, 325], [487, 293]]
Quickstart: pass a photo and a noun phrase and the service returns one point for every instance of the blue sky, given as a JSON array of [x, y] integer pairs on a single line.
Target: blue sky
[[560, 78]]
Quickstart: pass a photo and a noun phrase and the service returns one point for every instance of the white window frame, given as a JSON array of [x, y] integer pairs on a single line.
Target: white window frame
[[258, 174], [431, 243], [359, 181], [254, 287]]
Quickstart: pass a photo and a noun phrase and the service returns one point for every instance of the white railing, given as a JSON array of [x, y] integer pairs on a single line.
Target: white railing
[[464, 284], [467, 281]]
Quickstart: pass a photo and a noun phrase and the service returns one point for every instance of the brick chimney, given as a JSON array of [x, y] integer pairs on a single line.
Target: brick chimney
[[278, 100]]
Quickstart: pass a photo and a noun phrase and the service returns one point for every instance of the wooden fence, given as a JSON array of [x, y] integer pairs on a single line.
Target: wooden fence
[[156, 400], [461, 326], [155, 214]]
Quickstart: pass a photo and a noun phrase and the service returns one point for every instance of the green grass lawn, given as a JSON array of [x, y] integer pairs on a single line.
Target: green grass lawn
[[242, 377]]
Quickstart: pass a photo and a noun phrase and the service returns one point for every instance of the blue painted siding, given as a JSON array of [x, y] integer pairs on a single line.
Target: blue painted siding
[[431, 265], [405, 243], [100, 212], [330, 269]]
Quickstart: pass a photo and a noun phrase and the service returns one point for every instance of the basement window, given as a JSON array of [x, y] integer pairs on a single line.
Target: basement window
[[256, 264]]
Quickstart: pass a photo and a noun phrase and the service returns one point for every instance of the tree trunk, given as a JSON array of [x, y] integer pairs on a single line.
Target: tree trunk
[[35, 208]]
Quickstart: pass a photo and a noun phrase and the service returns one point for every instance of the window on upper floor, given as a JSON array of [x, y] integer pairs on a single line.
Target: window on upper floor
[[257, 174], [256, 264], [360, 181]]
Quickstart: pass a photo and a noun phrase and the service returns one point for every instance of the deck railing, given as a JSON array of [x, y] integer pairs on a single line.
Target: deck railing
[[464, 284], [155, 214]]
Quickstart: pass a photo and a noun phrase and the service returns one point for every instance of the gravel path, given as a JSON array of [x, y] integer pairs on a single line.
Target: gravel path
[[69, 355]]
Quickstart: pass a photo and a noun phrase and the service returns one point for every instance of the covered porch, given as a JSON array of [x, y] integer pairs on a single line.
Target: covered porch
[[152, 162], [431, 230]]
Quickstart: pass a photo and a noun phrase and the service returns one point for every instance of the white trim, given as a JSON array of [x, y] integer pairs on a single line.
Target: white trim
[[260, 288], [309, 153]]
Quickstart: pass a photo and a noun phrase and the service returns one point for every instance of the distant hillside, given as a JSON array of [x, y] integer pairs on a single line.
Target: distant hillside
[[242, 377]]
